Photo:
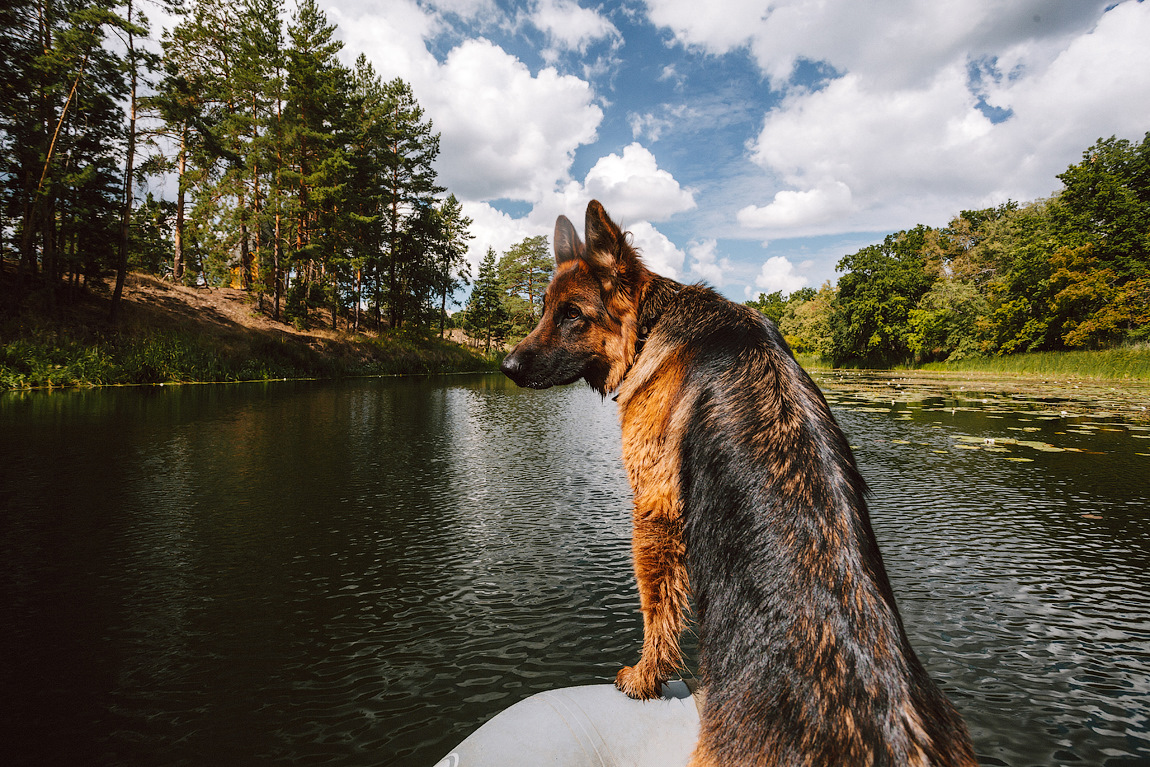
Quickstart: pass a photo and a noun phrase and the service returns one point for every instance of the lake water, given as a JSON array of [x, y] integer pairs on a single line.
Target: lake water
[[362, 572]]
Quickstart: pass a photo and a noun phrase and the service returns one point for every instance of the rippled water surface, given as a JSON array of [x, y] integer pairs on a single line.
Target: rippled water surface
[[361, 573]]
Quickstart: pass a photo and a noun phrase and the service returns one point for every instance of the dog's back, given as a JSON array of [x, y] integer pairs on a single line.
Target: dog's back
[[802, 651]]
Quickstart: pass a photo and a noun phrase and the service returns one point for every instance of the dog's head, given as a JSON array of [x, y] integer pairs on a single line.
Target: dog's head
[[589, 310]]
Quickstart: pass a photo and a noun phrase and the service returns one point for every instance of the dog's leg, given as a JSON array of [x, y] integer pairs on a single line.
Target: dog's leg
[[653, 416], [660, 569]]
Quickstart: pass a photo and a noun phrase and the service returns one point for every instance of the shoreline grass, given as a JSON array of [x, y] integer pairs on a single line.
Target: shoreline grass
[[1124, 363], [50, 360], [1129, 363]]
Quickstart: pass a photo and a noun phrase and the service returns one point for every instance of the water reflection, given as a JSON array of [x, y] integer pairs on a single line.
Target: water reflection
[[362, 572], [1017, 541]]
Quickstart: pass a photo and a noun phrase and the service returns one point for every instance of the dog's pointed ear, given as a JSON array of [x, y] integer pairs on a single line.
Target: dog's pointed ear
[[567, 244], [609, 250], [604, 238]]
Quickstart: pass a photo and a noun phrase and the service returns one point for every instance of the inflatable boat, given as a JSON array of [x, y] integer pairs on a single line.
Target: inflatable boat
[[589, 725]]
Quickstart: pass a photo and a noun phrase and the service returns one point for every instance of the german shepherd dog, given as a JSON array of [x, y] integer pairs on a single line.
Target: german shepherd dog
[[746, 496]]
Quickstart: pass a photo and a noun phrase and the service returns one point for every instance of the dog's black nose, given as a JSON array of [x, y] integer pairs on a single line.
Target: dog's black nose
[[511, 367]]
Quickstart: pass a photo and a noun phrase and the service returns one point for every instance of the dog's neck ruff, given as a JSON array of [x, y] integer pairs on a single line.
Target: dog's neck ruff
[[653, 301]]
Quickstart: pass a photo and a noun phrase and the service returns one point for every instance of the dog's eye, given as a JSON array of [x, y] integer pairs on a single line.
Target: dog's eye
[[572, 313]]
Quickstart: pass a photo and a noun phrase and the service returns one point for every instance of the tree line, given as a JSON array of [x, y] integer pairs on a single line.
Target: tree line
[[506, 301], [1068, 272], [299, 179]]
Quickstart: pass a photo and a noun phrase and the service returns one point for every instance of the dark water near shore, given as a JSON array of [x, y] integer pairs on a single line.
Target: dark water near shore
[[360, 573]]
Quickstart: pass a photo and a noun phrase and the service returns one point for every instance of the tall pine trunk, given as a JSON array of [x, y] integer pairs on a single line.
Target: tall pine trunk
[[256, 264], [245, 245], [358, 295], [178, 232], [443, 314], [129, 163]]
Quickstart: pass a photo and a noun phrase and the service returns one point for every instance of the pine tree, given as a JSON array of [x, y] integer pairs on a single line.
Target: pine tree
[[525, 270], [408, 180], [61, 126], [138, 63], [197, 100], [318, 89], [486, 315], [451, 268], [372, 114]]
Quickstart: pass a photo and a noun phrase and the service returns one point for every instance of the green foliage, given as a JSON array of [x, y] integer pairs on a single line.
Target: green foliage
[[770, 305], [507, 299], [291, 168], [164, 358], [524, 272], [150, 248], [803, 317], [1106, 202], [1071, 272], [451, 270], [806, 322], [880, 287], [50, 360], [62, 130], [487, 316], [944, 325]]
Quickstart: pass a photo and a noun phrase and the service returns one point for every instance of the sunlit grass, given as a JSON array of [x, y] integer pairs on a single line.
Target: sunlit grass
[[58, 360], [1124, 363], [1131, 362], [812, 362]]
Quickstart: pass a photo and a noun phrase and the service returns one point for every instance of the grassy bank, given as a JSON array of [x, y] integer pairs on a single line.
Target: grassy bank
[[170, 334], [56, 359], [1126, 363]]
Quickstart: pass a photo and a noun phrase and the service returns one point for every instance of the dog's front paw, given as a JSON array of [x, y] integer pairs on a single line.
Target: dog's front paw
[[636, 683]]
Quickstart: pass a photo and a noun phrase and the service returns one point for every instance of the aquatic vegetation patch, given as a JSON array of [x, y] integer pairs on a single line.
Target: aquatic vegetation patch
[[999, 444]]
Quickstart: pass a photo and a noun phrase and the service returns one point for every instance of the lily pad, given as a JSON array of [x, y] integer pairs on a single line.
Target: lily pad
[[1041, 446]]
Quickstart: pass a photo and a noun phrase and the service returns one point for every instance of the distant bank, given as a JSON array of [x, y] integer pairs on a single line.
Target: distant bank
[[175, 334], [1124, 363]]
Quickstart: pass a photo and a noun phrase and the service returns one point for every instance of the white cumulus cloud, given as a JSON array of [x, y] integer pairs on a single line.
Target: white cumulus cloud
[[894, 41], [924, 108], [510, 134], [632, 186], [505, 132], [493, 228], [706, 264], [792, 210], [658, 253], [569, 26], [778, 273]]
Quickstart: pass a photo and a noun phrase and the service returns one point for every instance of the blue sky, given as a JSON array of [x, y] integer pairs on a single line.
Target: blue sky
[[753, 144]]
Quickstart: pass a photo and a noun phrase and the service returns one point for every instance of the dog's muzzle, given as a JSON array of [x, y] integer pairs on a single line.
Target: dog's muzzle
[[512, 367]]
